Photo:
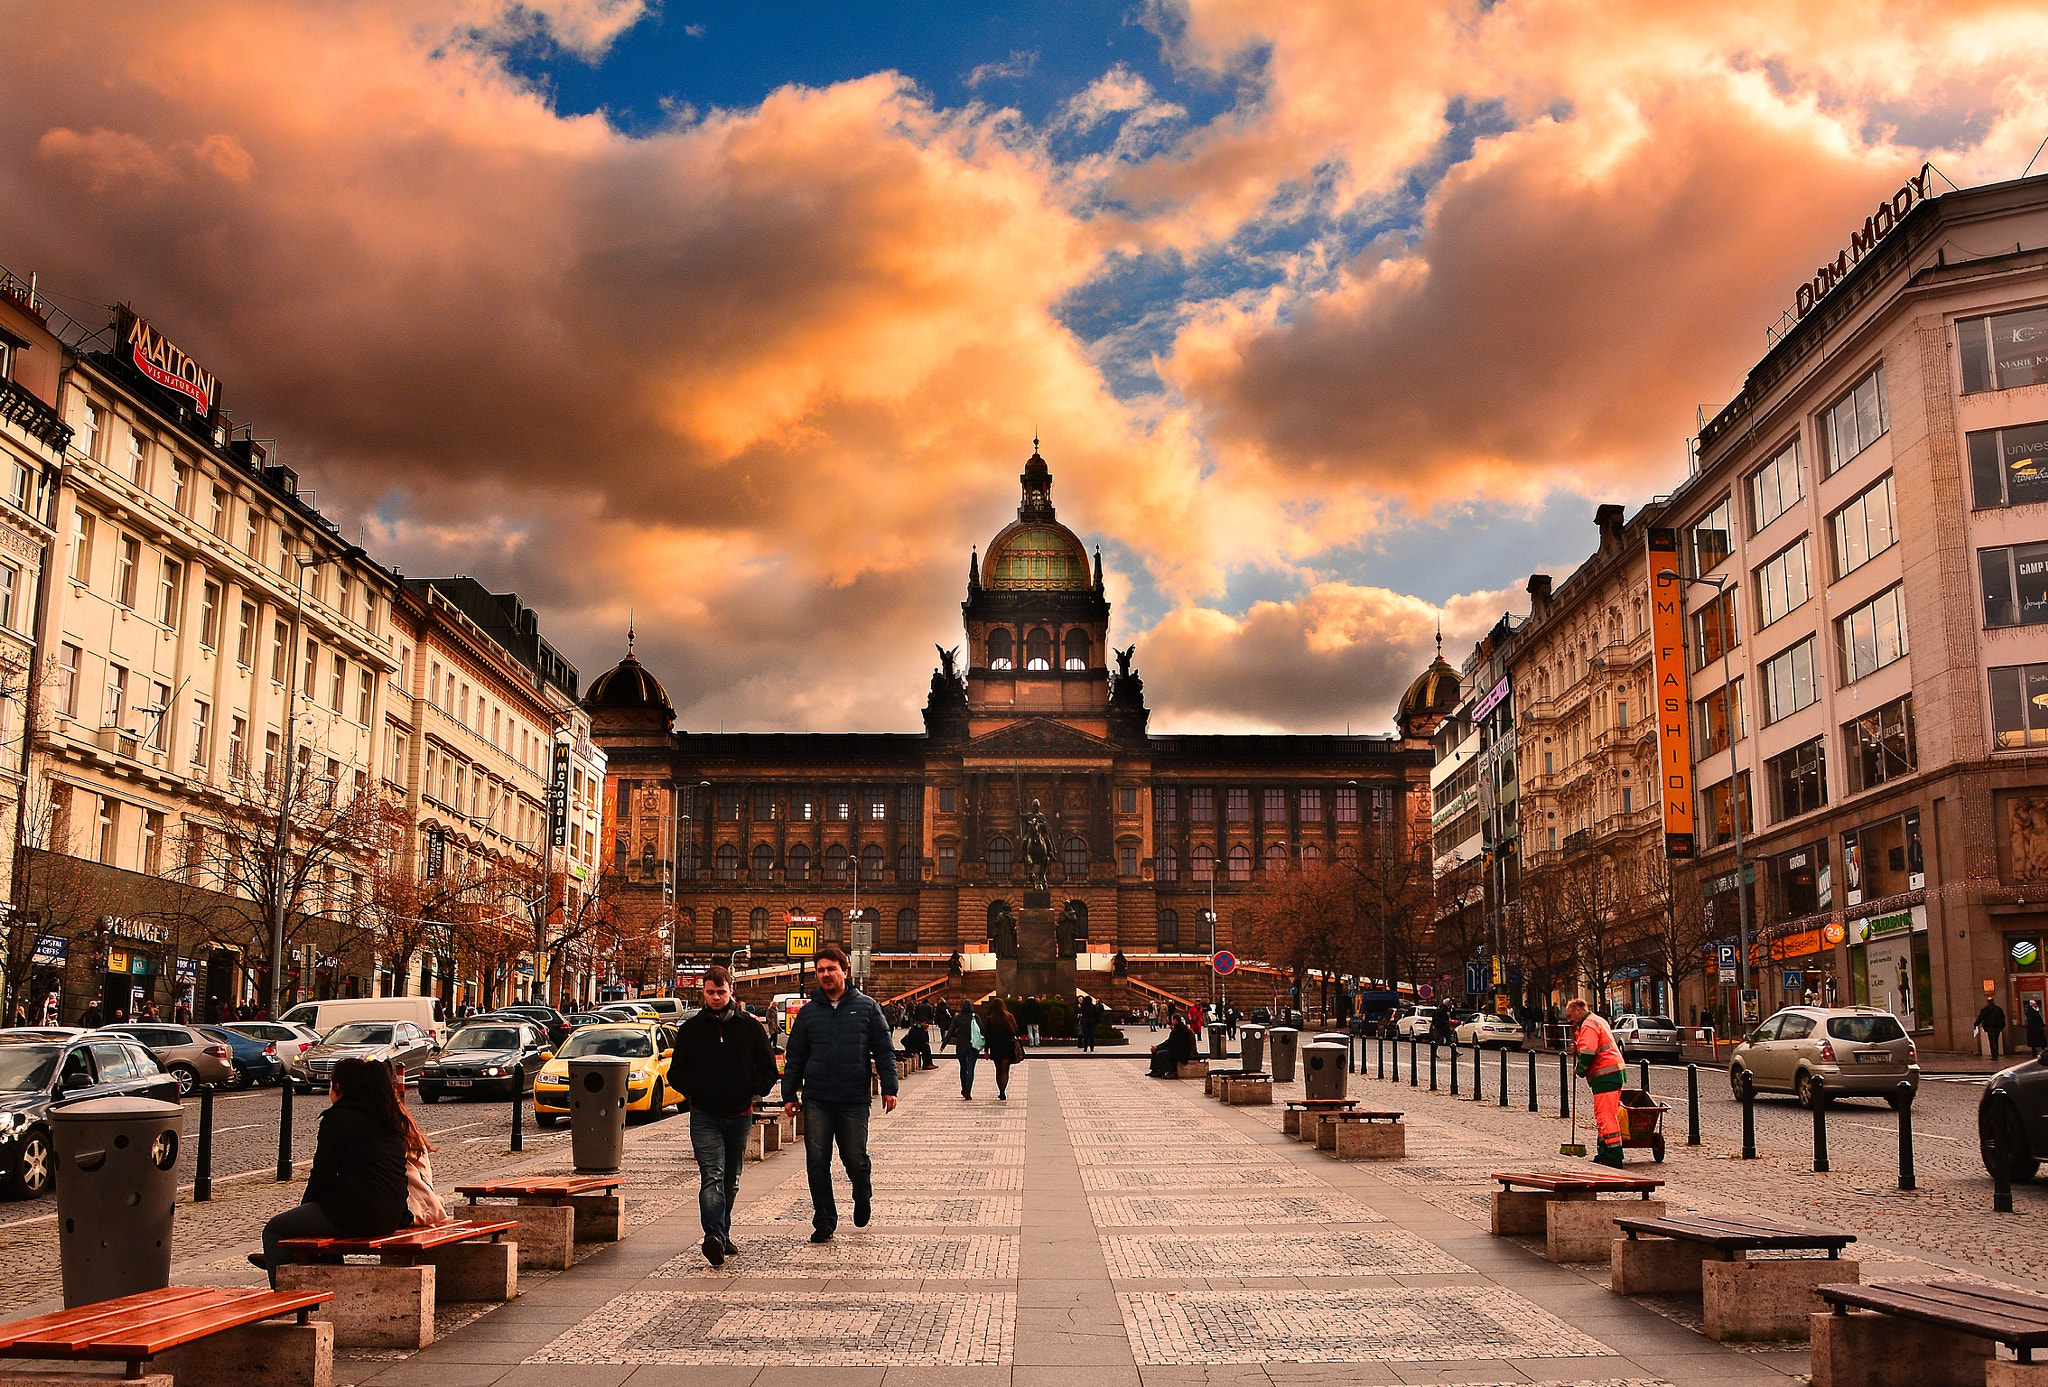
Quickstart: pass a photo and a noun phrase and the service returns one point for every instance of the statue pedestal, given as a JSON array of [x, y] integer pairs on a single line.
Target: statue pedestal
[[1037, 970]]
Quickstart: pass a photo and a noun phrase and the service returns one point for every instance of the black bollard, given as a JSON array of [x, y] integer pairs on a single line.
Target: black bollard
[[1414, 1062], [1820, 1127], [1396, 1048], [1503, 1076], [518, 1114], [202, 1175], [284, 1131], [1379, 1044], [1432, 1066], [1564, 1085], [1532, 1079], [1906, 1180], [1477, 1095], [1748, 1118], [1692, 1105], [1646, 1076], [1454, 1069], [2002, 1131]]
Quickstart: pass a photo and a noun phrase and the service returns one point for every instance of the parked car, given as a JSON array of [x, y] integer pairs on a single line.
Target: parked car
[[643, 1043], [629, 1011], [1849, 1051], [547, 1018], [673, 1010], [38, 1075], [424, 1012], [186, 1055], [2013, 1115], [1416, 1024], [255, 1061], [1640, 1035], [486, 1056], [292, 1041], [12, 1034], [578, 1019], [400, 1043], [1485, 1028]]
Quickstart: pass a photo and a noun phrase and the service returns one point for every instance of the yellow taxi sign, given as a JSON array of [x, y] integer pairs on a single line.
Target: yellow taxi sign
[[803, 941]]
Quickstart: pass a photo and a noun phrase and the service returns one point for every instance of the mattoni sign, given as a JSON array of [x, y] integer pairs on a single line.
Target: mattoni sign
[[1667, 672], [1876, 227], [157, 357]]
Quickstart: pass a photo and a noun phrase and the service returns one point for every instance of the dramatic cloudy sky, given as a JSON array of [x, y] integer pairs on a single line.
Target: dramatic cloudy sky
[[1336, 318]]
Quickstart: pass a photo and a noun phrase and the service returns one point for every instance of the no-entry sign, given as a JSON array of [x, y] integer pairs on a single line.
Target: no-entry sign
[[1224, 962]]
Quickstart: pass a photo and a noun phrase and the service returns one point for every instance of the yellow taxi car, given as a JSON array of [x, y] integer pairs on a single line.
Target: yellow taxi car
[[645, 1045]]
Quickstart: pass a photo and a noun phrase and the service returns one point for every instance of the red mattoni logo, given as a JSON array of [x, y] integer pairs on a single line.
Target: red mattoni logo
[[157, 357]]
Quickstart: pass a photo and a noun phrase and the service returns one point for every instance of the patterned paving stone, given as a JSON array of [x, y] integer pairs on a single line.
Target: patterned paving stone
[[1223, 1209], [1381, 1252], [1355, 1326], [1191, 1152], [989, 1211], [1103, 1179], [839, 1329], [866, 1258], [977, 1179], [1154, 1140]]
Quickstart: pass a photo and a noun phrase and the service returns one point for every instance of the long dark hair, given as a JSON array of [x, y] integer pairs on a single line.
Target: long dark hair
[[374, 1084], [993, 1010]]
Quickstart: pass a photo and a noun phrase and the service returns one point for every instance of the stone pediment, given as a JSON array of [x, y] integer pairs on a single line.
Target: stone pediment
[[1040, 739]]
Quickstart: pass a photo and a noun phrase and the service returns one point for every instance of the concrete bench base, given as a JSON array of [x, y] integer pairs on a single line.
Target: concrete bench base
[[1769, 1297], [466, 1271], [757, 1143], [786, 1129], [1582, 1230], [546, 1232], [1366, 1141], [99, 1379], [1519, 1213], [274, 1353], [600, 1218], [1999, 1373], [1660, 1266], [1193, 1069], [373, 1307], [771, 1136], [1862, 1350], [1241, 1093]]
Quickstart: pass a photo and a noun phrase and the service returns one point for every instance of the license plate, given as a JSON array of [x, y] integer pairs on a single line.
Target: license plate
[[1872, 1057], [458, 1083]]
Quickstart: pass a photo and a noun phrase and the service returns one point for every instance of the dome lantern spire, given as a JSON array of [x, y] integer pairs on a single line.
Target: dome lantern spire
[[1037, 482]]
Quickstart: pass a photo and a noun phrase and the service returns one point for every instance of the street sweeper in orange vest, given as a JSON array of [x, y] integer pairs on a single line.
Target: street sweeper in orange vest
[[1601, 1066]]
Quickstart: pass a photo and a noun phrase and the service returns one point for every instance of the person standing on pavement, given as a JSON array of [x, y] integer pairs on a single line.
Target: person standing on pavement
[[1601, 1066], [966, 1039], [999, 1032], [1991, 1021], [722, 1063], [1084, 1027], [834, 1038], [2037, 1029]]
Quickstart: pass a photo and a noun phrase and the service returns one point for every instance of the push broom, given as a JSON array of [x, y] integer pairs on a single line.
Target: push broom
[[1574, 1147]]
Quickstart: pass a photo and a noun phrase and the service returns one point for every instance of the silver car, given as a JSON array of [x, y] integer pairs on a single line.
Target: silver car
[[400, 1043], [1847, 1051], [1639, 1035]]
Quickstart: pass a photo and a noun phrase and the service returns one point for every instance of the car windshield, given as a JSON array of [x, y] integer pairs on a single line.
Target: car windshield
[[484, 1038], [26, 1068], [1865, 1030], [624, 1044], [1656, 1023], [359, 1033], [216, 1033]]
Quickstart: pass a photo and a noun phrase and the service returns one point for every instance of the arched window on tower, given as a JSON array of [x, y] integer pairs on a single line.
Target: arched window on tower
[[799, 863], [1241, 863], [871, 862], [1038, 649], [906, 927], [998, 857], [831, 928], [764, 862], [1169, 928], [757, 923], [1074, 859], [906, 865], [728, 862], [721, 926], [1077, 649], [1000, 650], [1276, 859], [1203, 862], [1167, 867], [835, 862]]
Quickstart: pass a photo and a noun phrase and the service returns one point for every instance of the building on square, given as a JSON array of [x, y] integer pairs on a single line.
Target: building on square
[[729, 834]]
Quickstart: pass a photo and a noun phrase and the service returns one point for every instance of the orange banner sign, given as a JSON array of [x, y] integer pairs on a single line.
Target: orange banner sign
[[1667, 672]]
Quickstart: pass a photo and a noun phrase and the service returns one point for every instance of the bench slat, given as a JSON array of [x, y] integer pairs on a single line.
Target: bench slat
[[107, 1313], [1559, 1181], [2000, 1315], [553, 1184], [1727, 1233], [165, 1320], [407, 1239], [200, 1323]]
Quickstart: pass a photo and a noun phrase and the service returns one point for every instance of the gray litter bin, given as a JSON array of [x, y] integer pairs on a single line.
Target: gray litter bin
[[1281, 1042], [1323, 1068], [1251, 1048], [1217, 1032], [117, 1184], [597, 1112]]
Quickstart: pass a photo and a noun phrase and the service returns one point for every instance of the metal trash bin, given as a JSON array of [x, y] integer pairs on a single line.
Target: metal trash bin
[[1281, 1042], [1332, 1038], [1217, 1032], [597, 1112], [1323, 1070], [1251, 1048], [117, 1187]]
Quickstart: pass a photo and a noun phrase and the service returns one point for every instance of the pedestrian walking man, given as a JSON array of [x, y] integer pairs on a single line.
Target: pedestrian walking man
[[2037, 1029], [831, 1042], [722, 1063], [1991, 1021], [1600, 1065]]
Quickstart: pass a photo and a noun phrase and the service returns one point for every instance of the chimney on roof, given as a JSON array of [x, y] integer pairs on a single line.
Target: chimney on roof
[[1610, 519], [1539, 594]]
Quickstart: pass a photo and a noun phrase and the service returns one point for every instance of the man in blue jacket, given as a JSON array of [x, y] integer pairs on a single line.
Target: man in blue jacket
[[831, 1041]]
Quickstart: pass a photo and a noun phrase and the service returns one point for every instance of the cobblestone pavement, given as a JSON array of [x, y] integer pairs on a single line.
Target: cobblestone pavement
[[1108, 1230]]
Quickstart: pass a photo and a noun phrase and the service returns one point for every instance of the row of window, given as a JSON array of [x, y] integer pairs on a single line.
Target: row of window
[[831, 926], [1200, 802], [498, 723], [1038, 647], [1877, 747], [1280, 857]]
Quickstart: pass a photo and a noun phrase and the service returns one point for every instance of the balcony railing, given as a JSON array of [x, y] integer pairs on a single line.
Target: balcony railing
[[33, 417]]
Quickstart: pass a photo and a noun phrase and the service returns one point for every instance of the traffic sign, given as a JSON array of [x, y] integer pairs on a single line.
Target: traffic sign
[[1725, 957], [1224, 962], [803, 941], [1425, 992]]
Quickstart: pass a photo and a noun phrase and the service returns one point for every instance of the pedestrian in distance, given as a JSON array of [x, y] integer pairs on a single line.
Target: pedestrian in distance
[[2037, 1030], [837, 1034], [1176, 1050], [967, 1041], [722, 1063], [917, 1041], [90, 1018], [1600, 1064], [1004, 1042], [1085, 1017], [1991, 1024], [358, 1186]]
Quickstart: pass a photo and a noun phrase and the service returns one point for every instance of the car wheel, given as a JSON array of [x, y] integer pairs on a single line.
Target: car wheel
[[1810, 1091], [35, 1168], [241, 1080], [187, 1077], [429, 1095], [1738, 1079], [2000, 1127], [546, 1119]]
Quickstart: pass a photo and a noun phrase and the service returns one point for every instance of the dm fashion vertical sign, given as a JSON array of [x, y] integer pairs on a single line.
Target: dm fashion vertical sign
[[1667, 672]]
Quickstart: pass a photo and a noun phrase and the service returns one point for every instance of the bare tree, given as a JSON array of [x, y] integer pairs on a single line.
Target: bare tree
[[1311, 918], [1677, 919], [1396, 893], [1590, 900]]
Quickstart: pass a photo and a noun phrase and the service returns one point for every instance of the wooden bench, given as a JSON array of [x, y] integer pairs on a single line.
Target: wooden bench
[[1211, 1076], [555, 1212], [466, 1259], [1928, 1334], [1299, 1110], [1564, 1207], [1362, 1134], [1246, 1088], [194, 1335], [1708, 1255]]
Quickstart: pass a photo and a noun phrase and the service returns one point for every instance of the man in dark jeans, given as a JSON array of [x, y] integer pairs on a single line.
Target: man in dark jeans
[[722, 1063], [831, 1042]]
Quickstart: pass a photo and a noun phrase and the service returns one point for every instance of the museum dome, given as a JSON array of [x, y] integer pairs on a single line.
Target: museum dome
[[1034, 551], [628, 685], [1433, 695]]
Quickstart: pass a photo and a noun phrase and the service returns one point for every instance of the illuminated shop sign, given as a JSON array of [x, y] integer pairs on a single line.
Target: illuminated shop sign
[[1876, 227], [157, 357], [1667, 671]]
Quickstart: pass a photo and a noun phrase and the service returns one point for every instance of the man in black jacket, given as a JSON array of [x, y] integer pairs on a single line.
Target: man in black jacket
[[722, 1063], [831, 1042]]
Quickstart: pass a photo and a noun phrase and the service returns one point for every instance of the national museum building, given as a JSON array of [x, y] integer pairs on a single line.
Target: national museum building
[[920, 833]]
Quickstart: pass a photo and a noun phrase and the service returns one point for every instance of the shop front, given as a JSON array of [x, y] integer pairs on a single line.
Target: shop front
[[1802, 968], [2026, 980], [1890, 966], [46, 978], [136, 961]]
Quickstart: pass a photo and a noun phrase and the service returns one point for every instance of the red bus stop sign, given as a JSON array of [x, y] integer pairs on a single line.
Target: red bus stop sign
[[1224, 962]]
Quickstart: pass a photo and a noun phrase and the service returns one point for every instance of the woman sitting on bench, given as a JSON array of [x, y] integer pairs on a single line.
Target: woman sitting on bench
[[1176, 1050], [917, 1041], [357, 1188]]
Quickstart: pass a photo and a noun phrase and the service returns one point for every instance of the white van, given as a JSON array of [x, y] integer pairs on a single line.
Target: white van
[[673, 1010], [424, 1012]]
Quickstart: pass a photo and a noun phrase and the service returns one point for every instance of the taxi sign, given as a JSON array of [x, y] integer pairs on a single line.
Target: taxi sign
[[803, 941]]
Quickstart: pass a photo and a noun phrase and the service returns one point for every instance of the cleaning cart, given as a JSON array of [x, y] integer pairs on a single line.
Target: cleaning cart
[[1642, 1122]]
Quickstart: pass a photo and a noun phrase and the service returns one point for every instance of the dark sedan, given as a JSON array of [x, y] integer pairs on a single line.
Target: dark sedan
[[496, 1057], [2012, 1120], [36, 1076], [256, 1061], [551, 1022]]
